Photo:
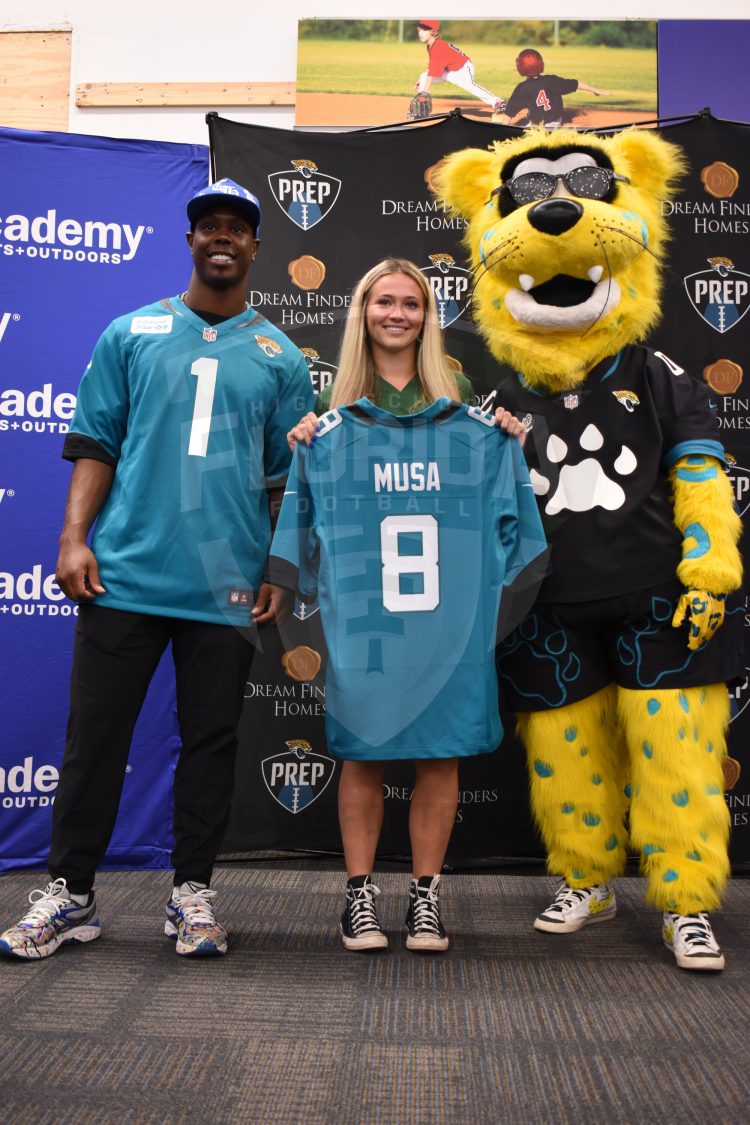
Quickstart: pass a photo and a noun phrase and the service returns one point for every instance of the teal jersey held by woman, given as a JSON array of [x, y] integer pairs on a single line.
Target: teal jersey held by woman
[[408, 528], [194, 418]]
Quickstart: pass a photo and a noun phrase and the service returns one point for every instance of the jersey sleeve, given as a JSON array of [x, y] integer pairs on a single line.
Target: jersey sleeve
[[516, 101], [103, 404], [295, 398], [521, 536], [465, 389], [567, 85], [519, 525], [293, 560], [688, 423]]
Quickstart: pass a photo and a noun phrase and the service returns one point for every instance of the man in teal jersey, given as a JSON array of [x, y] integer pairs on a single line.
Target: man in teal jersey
[[179, 449]]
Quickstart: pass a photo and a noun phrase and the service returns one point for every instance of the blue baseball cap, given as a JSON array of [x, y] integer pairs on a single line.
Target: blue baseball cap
[[223, 190]]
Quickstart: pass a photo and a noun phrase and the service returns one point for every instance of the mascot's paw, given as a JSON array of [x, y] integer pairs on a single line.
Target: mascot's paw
[[704, 613]]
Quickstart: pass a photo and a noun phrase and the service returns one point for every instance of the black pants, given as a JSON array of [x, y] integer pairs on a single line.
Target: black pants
[[114, 658]]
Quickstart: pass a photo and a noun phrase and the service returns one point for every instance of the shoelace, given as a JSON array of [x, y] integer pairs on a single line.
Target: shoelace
[[695, 929], [197, 907], [362, 909], [426, 911], [567, 896], [46, 903]]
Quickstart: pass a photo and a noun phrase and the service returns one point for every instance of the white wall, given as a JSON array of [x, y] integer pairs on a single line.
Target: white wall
[[227, 42]]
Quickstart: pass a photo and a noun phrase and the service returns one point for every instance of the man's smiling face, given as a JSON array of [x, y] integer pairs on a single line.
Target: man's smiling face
[[223, 245]]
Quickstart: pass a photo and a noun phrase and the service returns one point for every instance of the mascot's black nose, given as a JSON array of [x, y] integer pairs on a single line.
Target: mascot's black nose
[[555, 216]]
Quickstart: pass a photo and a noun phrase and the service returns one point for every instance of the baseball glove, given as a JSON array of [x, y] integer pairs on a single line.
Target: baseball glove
[[420, 106]]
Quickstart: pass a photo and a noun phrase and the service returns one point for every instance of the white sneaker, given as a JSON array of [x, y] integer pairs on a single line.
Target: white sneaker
[[692, 941], [191, 922], [575, 907], [54, 920]]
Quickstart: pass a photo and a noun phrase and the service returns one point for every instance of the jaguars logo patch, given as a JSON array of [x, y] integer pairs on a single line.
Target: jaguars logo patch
[[628, 399], [270, 347]]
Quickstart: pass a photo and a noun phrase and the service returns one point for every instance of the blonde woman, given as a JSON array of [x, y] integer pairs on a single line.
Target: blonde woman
[[392, 353]]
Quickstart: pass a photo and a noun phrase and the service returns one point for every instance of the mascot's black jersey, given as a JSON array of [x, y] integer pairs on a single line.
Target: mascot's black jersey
[[542, 97], [599, 458]]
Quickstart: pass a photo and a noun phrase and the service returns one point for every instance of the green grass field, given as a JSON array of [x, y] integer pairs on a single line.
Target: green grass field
[[354, 67]]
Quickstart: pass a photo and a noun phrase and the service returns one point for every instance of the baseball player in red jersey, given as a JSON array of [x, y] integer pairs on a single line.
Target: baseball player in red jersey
[[447, 64]]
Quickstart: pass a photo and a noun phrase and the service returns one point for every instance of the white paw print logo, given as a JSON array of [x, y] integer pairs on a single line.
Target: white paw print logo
[[584, 486]]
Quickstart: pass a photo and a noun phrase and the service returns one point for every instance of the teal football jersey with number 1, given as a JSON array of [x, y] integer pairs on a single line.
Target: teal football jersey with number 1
[[407, 528], [195, 418]]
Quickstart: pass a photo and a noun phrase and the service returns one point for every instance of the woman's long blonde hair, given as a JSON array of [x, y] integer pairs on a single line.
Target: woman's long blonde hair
[[356, 371]]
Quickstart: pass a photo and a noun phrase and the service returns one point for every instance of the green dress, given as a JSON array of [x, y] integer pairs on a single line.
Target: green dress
[[407, 401]]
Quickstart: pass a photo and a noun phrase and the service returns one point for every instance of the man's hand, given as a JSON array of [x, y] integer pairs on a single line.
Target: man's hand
[[272, 605], [304, 431], [77, 572], [704, 613]]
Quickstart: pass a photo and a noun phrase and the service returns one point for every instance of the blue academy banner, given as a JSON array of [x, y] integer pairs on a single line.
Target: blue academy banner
[[90, 227]]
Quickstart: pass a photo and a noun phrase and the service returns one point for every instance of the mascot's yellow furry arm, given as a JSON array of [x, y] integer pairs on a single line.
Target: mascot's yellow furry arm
[[618, 673]]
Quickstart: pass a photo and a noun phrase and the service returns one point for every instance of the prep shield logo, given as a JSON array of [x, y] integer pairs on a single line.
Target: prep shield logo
[[305, 195], [321, 371], [298, 777], [739, 697], [739, 477], [450, 284], [303, 610], [721, 295]]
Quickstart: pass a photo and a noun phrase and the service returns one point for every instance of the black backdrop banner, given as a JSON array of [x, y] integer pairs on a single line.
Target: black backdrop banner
[[332, 205]]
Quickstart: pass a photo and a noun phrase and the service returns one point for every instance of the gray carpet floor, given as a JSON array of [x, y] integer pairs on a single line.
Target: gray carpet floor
[[509, 1026]]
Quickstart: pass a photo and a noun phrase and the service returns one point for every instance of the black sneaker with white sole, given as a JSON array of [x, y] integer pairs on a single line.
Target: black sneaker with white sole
[[360, 928], [426, 931]]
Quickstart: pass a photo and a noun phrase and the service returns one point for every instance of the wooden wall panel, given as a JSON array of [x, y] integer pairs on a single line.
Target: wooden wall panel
[[137, 95], [35, 79]]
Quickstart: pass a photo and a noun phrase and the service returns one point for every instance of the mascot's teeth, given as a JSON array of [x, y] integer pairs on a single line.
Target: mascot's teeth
[[595, 273], [526, 281]]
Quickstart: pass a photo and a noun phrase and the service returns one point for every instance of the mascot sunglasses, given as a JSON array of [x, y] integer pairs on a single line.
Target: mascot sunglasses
[[586, 182]]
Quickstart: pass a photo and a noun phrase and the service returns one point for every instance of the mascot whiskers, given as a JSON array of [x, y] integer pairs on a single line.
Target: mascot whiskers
[[618, 673]]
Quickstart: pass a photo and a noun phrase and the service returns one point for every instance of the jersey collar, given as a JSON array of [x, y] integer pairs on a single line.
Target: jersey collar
[[179, 308], [367, 410]]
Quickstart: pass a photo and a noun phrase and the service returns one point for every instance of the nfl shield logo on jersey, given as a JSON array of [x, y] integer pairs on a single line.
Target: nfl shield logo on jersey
[[721, 295], [298, 777], [450, 284], [305, 195], [570, 402]]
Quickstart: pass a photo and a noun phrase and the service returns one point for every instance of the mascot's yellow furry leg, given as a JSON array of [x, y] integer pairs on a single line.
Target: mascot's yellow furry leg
[[679, 821], [577, 770]]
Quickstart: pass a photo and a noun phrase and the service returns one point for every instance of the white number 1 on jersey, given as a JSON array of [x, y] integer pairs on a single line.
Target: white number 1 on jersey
[[424, 563], [205, 370]]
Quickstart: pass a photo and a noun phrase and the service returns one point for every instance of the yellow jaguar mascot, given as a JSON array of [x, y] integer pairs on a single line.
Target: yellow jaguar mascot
[[618, 673]]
